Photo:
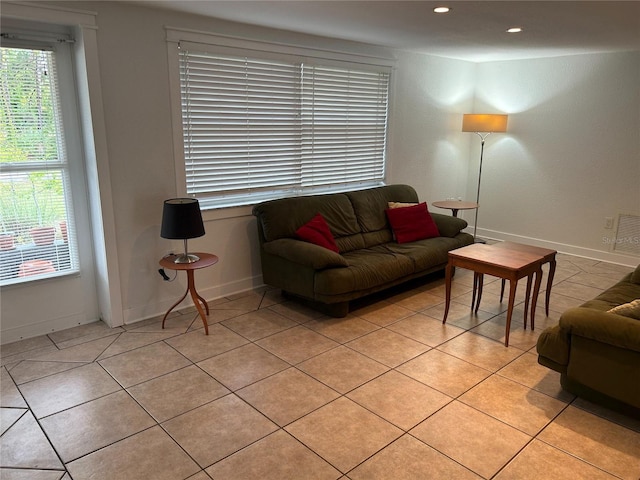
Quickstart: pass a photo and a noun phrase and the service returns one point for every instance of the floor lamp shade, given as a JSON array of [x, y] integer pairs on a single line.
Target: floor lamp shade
[[483, 125], [484, 122], [181, 220]]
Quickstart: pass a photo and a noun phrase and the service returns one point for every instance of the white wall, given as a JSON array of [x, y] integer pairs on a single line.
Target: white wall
[[426, 148], [570, 157], [135, 89]]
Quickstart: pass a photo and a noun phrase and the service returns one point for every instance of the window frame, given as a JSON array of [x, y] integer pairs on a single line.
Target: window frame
[[225, 45]]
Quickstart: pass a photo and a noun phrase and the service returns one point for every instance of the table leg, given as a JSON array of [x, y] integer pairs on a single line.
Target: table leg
[[174, 306], [204, 302], [552, 271], [475, 289], [454, 211], [526, 300], [512, 296], [448, 270], [502, 290], [536, 291], [197, 300], [480, 285]]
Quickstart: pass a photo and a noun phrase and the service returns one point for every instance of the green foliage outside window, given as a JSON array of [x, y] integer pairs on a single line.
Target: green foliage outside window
[[32, 159]]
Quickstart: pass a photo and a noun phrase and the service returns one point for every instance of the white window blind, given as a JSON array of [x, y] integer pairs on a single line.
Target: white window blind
[[256, 128], [37, 238], [344, 117]]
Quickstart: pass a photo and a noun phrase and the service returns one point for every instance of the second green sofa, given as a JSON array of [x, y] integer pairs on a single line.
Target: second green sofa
[[596, 351]]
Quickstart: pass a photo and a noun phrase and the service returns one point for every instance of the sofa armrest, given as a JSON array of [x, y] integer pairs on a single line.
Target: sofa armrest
[[616, 330], [553, 349], [448, 226], [305, 253]]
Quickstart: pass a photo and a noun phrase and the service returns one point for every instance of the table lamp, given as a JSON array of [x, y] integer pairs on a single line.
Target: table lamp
[[483, 125], [181, 220]]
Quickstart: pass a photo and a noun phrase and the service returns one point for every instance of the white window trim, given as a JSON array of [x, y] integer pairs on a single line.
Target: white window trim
[[175, 35], [49, 14], [216, 43]]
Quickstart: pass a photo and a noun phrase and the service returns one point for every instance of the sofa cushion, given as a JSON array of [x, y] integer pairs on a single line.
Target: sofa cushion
[[304, 253], [412, 223], [631, 309], [622, 292], [281, 218], [368, 268], [317, 231], [372, 239], [369, 205], [348, 243], [401, 204], [426, 254], [448, 226]]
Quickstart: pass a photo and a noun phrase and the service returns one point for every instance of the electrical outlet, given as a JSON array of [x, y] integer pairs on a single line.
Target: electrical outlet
[[608, 223]]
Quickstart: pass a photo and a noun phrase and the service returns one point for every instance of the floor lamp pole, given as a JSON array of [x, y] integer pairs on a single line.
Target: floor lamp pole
[[475, 223]]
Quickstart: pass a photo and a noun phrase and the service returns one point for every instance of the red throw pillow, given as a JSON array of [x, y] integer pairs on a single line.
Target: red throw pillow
[[317, 231], [412, 223]]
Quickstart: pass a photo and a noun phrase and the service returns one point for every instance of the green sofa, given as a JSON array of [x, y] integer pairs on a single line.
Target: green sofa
[[369, 259], [596, 352]]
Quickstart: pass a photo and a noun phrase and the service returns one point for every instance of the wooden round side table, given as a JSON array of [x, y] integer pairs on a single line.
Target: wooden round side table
[[455, 205], [206, 260]]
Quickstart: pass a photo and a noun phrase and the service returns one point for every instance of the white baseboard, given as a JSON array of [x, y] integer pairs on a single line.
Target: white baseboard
[[14, 334], [131, 315], [136, 314], [600, 255]]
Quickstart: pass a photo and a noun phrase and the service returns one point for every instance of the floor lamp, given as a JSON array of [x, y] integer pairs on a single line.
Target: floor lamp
[[483, 125]]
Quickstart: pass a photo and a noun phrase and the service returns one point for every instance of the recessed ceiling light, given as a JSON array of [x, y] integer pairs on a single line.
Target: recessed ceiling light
[[441, 9], [514, 30]]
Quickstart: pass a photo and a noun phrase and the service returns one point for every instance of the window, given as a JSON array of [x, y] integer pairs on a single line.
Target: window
[[257, 125], [36, 226]]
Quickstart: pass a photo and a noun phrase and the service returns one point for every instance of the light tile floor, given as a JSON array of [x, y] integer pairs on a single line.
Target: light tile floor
[[278, 391]]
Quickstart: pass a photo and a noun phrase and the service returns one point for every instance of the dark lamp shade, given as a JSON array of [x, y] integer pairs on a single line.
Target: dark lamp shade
[[181, 219]]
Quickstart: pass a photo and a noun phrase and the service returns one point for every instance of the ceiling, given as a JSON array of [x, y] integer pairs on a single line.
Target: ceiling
[[472, 30]]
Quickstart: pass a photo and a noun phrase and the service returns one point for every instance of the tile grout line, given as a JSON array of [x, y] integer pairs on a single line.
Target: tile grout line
[[340, 395]]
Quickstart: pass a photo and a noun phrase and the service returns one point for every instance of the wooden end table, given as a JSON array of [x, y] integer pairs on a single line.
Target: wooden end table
[[508, 264], [206, 260], [547, 256], [455, 205]]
